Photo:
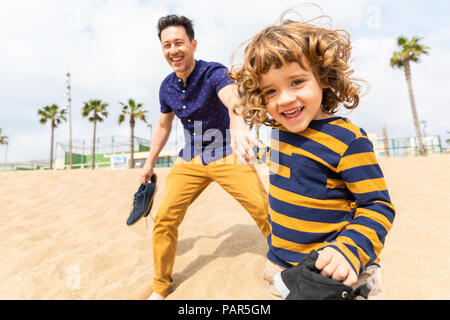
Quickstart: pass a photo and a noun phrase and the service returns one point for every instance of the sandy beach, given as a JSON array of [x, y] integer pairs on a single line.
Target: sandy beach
[[63, 236]]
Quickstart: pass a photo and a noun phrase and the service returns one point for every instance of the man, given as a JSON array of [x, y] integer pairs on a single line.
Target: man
[[202, 96]]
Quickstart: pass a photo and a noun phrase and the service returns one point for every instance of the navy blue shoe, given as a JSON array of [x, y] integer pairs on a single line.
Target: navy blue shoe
[[143, 201]]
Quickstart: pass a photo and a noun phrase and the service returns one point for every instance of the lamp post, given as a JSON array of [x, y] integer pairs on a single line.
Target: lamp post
[[69, 100], [151, 133]]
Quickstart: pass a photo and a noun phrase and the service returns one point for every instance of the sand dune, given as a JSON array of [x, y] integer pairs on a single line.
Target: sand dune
[[63, 236]]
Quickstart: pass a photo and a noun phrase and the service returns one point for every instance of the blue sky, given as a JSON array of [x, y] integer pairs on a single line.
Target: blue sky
[[113, 53]]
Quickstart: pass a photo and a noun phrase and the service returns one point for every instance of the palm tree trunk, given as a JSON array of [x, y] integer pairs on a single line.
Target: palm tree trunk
[[6, 154], [422, 150], [93, 144], [131, 141], [51, 144]]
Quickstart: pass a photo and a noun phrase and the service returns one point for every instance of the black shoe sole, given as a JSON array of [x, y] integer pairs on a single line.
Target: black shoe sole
[[147, 212]]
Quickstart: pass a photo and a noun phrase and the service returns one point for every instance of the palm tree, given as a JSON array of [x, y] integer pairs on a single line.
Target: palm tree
[[4, 140], [98, 110], [410, 50], [134, 111], [55, 116]]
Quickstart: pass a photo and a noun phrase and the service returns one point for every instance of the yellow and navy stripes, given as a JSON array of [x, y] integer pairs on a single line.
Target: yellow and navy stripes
[[326, 189]]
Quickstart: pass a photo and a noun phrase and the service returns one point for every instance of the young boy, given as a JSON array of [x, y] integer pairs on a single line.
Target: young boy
[[327, 192]]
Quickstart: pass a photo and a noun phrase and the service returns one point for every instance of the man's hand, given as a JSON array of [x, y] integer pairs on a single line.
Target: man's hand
[[146, 174], [334, 265]]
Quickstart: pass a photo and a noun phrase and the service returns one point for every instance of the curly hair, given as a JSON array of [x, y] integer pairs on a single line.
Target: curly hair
[[326, 52]]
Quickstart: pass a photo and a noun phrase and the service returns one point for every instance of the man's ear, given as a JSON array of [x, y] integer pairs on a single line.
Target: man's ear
[[194, 44]]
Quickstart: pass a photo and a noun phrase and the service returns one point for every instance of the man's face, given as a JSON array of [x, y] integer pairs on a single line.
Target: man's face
[[178, 50]]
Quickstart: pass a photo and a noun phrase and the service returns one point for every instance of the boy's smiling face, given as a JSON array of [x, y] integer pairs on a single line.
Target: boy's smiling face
[[292, 96]]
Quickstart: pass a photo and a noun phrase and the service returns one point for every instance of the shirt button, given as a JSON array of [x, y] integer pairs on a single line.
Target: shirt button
[[189, 120], [184, 107], [179, 80], [194, 133], [184, 91]]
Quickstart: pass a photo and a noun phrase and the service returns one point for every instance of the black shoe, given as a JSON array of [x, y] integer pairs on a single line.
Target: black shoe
[[305, 282], [143, 201]]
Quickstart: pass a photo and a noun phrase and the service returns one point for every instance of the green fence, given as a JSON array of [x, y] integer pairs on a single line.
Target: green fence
[[407, 147], [167, 161], [105, 147]]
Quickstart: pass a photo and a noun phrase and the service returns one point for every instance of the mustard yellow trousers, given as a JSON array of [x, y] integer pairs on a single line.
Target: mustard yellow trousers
[[184, 183]]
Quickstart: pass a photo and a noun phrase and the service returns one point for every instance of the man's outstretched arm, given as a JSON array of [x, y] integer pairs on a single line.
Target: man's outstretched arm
[[241, 140], [159, 140]]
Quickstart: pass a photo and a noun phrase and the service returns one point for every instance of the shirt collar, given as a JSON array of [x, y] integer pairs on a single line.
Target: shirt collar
[[178, 79]]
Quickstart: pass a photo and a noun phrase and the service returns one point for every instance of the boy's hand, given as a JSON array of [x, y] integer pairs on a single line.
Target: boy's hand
[[334, 265]]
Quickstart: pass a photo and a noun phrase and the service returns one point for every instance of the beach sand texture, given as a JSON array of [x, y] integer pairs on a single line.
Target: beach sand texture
[[63, 236]]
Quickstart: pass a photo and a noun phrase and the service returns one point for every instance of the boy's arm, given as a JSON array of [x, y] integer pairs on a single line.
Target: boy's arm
[[159, 140], [362, 240]]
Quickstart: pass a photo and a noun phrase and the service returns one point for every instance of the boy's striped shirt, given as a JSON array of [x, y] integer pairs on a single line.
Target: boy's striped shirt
[[326, 189]]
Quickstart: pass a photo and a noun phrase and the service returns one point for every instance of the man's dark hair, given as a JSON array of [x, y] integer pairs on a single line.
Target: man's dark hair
[[174, 20]]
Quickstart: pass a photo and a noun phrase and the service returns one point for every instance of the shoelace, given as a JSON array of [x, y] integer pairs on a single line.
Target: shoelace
[[137, 200]]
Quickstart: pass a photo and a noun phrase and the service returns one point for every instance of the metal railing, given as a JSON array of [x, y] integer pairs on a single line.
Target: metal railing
[[406, 147]]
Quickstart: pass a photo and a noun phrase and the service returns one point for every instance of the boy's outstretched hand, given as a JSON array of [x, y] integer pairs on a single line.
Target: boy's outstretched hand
[[333, 264]]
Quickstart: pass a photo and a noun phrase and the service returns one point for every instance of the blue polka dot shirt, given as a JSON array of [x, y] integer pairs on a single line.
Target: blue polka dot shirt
[[204, 117]]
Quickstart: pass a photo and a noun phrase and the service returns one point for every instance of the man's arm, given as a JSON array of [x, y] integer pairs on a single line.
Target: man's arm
[[159, 140], [240, 135]]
